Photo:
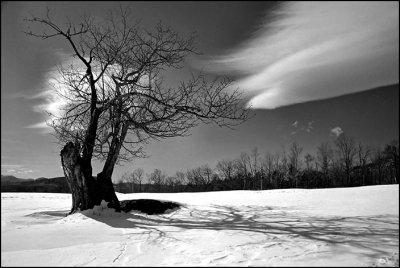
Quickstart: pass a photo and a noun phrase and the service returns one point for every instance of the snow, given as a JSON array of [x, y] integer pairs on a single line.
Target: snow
[[290, 227]]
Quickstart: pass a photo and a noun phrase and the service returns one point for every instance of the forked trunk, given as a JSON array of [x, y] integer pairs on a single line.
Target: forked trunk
[[86, 190]]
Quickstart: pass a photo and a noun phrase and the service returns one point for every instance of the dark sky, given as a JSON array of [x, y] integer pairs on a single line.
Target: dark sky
[[286, 71]]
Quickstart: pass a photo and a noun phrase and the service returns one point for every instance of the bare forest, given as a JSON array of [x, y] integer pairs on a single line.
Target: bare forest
[[343, 163]]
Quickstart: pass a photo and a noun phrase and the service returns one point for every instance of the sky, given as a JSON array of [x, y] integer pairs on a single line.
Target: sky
[[306, 69]]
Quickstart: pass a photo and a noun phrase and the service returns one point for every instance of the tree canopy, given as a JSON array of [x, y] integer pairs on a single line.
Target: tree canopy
[[117, 79]]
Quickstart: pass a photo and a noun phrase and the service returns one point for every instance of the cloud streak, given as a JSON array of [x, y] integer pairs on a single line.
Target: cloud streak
[[16, 169], [316, 50], [301, 127], [57, 92], [50, 93]]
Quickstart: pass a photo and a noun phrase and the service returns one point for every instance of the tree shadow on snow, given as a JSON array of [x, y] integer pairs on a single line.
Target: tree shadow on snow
[[372, 234], [47, 217]]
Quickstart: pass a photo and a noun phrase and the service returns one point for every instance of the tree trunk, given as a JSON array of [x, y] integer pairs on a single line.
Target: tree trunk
[[86, 190]]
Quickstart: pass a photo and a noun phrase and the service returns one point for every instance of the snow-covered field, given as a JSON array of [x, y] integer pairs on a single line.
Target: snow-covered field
[[290, 227]]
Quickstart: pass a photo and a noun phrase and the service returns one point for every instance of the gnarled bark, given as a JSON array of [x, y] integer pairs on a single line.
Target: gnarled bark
[[86, 190]]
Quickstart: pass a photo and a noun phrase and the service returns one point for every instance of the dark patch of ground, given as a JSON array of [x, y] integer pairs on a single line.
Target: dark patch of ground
[[149, 206]]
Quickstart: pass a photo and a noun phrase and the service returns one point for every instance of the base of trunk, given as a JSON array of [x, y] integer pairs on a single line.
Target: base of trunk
[[86, 190]]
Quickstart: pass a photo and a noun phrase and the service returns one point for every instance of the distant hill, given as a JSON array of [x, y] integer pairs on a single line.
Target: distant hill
[[44, 185], [41, 185], [11, 179]]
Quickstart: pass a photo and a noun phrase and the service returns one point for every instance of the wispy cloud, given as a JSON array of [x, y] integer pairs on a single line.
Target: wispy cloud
[[57, 92], [317, 50], [302, 127], [15, 169], [309, 126], [336, 131], [38, 125], [49, 95], [42, 126]]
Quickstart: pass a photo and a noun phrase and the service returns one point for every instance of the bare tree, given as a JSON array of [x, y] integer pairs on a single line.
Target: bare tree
[[308, 158], [255, 167], [226, 169], [391, 152], [130, 178], [139, 177], [180, 178], [346, 150], [116, 98], [363, 153], [120, 183], [283, 164], [295, 151], [242, 165], [200, 177], [270, 165], [170, 183], [379, 162], [195, 177], [294, 154], [325, 158], [255, 155], [207, 174], [157, 178]]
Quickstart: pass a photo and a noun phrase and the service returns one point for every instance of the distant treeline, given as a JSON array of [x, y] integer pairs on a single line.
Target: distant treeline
[[42, 185], [343, 163]]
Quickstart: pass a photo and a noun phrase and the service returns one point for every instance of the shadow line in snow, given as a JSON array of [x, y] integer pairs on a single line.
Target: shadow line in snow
[[370, 233], [47, 217]]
